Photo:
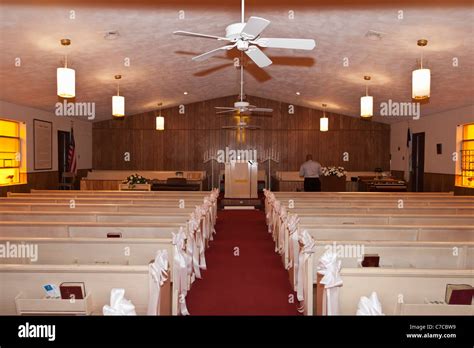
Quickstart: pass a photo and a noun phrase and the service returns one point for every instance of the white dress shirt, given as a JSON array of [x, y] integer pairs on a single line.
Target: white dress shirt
[[310, 169]]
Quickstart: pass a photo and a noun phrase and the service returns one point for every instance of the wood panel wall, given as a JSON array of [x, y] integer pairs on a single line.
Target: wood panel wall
[[181, 146], [47, 180]]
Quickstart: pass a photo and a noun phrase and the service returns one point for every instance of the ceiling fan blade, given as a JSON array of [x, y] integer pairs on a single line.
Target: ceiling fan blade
[[229, 127], [258, 56], [252, 127], [225, 108], [188, 33], [253, 27], [225, 111], [206, 55], [261, 110], [295, 44]]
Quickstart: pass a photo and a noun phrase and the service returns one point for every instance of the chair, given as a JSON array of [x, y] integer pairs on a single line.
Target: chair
[[67, 181]]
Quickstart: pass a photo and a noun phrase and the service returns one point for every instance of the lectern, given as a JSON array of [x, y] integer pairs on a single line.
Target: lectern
[[241, 179]]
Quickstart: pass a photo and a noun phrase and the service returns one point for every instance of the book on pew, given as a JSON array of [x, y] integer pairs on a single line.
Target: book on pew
[[72, 290], [371, 260], [459, 294]]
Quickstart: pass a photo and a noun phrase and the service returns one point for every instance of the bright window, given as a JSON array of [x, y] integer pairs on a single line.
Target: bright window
[[467, 156], [11, 169]]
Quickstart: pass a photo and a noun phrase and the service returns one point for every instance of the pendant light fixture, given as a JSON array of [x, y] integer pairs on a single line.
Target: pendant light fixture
[[367, 102], [118, 101], [324, 121], [66, 77], [421, 78], [160, 120]]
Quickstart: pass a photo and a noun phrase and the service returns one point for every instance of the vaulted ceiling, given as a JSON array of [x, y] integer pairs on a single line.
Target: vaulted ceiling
[[161, 69]]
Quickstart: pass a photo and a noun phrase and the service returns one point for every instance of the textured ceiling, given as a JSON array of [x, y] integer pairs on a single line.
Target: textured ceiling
[[161, 68]]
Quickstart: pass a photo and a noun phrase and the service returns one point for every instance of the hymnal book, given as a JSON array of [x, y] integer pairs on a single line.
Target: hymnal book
[[459, 294], [371, 260], [72, 290]]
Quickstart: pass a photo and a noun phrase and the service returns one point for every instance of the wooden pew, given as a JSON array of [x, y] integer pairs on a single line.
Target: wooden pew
[[163, 208], [390, 232], [72, 215], [88, 229], [433, 309], [393, 285], [384, 219], [100, 264], [98, 200], [411, 259]]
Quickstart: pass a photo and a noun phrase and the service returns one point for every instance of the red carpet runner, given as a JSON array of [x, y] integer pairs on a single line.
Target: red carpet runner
[[252, 283]]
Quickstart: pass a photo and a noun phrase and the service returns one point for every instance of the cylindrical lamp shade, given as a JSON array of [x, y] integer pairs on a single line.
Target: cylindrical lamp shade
[[160, 123], [420, 84], [367, 106], [118, 106], [66, 82], [324, 124]]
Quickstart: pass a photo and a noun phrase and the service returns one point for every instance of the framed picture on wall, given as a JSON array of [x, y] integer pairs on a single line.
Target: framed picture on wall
[[43, 144]]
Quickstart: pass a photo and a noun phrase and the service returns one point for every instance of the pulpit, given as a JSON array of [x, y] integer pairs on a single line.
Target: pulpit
[[241, 179]]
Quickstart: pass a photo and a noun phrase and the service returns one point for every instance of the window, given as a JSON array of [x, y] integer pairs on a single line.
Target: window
[[11, 164], [467, 156]]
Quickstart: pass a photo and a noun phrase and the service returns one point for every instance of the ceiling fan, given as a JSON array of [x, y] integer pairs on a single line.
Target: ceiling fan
[[242, 107], [241, 126], [246, 37]]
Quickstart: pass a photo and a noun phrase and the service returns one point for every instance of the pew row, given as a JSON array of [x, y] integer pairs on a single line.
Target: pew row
[[126, 208], [88, 256], [175, 215], [190, 232], [99, 280]]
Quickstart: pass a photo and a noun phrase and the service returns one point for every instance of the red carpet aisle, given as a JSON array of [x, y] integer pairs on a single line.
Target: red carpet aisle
[[253, 283]]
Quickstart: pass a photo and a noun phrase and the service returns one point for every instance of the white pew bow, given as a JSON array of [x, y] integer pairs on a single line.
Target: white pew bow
[[157, 276], [369, 305], [293, 246], [307, 248], [119, 305], [330, 267], [180, 270], [283, 221]]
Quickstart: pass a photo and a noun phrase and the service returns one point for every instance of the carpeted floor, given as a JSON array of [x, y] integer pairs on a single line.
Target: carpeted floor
[[245, 276]]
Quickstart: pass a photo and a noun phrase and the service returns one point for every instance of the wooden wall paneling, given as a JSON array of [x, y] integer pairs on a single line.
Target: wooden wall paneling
[[187, 136]]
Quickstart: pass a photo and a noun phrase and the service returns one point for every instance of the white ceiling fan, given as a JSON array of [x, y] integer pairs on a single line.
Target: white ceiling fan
[[242, 107], [246, 37]]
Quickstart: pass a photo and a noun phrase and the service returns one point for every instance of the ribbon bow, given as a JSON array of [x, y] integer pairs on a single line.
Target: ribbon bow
[[157, 275], [330, 268], [369, 305], [307, 247], [119, 305], [293, 246], [180, 270]]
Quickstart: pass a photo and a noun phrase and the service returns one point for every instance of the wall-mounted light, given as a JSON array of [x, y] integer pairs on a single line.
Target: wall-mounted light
[[160, 120], [421, 78], [66, 77], [324, 121], [367, 102], [118, 101]]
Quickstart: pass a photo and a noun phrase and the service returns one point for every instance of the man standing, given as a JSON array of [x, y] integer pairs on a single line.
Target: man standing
[[311, 170]]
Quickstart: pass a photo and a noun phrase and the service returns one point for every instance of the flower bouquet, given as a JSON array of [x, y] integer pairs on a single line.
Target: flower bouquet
[[333, 171], [135, 179]]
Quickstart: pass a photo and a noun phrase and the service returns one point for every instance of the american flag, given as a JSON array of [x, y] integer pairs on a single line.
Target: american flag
[[71, 155]]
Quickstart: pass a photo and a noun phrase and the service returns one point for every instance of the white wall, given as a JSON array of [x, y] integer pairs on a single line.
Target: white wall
[[439, 128], [82, 132]]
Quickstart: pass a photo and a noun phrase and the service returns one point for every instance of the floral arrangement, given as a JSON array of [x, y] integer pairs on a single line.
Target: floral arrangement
[[333, 171], [135, 179]]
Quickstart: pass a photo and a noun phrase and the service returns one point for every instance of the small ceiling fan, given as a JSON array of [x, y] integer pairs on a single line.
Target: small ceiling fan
[[246, 37], [241, 126], [242, 107]]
